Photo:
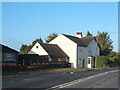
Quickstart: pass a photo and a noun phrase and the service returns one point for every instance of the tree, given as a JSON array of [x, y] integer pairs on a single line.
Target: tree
[[26, 48], [105, 43], [37, 40], [118, 54], [88, 33], [112, 54], [51, 37], [115, 61]]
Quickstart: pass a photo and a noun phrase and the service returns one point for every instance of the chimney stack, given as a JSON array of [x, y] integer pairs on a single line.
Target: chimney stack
[[79, 34]]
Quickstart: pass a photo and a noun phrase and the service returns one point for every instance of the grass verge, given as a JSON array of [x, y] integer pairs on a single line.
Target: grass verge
[[8, 73]]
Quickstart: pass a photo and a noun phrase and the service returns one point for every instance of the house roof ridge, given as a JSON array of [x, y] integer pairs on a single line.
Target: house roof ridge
[[84, 41], [77, 37], [69, 35]]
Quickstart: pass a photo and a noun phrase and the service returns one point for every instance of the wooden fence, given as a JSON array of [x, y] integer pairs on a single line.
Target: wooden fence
[[34, 61]]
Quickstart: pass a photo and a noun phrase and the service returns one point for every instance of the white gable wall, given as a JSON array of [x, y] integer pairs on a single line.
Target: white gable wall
[[40, 50], [93, 48], [68, 46]]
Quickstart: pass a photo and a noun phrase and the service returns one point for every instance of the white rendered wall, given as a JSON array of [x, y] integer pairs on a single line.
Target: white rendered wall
[[93, 48], [38, 50], [68, 46], [82, 54]]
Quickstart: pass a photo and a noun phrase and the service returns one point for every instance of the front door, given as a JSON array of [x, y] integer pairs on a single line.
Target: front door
[[94, 62], [89, 62], [83, 63]]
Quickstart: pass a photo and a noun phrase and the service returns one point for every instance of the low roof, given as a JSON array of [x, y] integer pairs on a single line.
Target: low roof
[[84, 41], [54, 50], [7, 49]]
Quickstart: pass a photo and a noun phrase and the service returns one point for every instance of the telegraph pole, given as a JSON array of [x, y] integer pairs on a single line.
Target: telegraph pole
[[96, 55]]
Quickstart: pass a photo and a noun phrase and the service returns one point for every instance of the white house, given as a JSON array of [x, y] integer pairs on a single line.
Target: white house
[[81, 50]]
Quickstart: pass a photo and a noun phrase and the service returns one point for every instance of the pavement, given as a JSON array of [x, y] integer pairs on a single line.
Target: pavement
[[50, 79]]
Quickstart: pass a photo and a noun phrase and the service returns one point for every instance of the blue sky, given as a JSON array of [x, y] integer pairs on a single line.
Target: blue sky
[[23, 22]]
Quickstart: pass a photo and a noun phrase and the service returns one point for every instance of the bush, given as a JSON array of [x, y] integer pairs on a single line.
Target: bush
[[102, 61], [115, 61]]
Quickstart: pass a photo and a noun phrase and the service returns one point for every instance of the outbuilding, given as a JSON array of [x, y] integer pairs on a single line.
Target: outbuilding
[[8, 55]]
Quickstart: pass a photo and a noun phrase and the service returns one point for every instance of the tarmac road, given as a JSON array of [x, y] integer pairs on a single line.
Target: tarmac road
[[49, 79], [107, 80]]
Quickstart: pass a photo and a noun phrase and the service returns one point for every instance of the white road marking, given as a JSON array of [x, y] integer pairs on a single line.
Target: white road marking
[[78, 80]]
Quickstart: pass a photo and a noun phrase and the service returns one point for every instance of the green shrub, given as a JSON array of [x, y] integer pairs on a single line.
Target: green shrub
[[101, 61], [115, 61]]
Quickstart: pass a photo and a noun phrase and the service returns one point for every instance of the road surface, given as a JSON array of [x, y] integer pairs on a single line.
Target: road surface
[[51, 79], [104, 80]]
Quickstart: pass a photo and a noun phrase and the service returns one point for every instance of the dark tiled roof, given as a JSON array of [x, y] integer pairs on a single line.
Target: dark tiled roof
[[87, 40], [4, 48], [54, 50], [84, 41]]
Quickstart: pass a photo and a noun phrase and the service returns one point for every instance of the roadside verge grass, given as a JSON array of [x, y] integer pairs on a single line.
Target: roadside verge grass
[[8, 73]]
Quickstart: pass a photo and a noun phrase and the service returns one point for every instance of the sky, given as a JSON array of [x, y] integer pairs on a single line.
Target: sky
[[23, 22]]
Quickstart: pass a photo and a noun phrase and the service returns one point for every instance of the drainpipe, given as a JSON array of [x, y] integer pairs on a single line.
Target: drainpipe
[[96, 58]]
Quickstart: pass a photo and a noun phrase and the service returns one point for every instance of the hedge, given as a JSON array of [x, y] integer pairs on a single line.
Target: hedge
[[101, 61]]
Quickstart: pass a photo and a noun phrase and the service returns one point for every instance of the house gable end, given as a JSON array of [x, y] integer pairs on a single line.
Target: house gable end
[[94, 48], [38, 49]]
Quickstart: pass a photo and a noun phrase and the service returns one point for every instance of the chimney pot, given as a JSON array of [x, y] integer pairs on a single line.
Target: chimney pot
[[79, 34]]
